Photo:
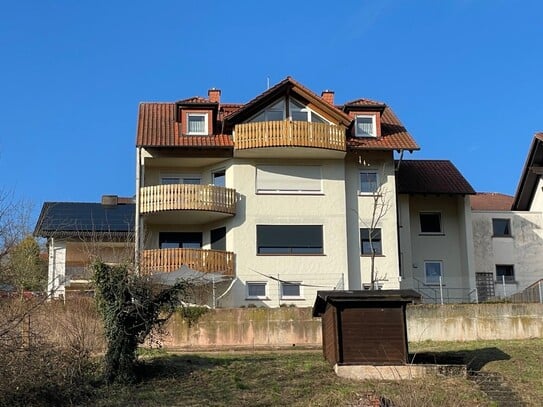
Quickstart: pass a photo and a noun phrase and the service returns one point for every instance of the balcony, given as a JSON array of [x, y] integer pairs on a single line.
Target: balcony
[[168, 260], [289, 139], [201, 203]]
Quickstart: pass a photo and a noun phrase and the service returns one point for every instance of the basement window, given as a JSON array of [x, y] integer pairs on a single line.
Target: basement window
[[256, 290], [505, 272]]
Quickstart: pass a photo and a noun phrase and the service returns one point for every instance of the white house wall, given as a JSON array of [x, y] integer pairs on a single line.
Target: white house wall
[[522, 249], [450, 247], [537, 201], [57, 268], [359, 214], [315, 272]]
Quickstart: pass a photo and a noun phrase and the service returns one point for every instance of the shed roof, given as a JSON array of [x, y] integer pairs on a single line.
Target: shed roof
[[83, 219], [431, 177], [362, 296], [530, 175]]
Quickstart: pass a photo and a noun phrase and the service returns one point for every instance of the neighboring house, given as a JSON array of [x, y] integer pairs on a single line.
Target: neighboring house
[[79, 232], [277, 193], [434, 226], [507, 232]]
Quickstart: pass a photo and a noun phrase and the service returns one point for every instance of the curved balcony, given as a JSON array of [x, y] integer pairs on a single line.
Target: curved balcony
[[204, 203], [294, 137], [168, 260]]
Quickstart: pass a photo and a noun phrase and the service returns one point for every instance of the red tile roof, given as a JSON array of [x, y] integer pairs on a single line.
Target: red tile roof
[[491, 201], [431, 177], [394, 136], [157, 126]]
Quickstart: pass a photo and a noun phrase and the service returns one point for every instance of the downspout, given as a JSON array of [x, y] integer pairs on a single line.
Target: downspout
[[398, 220], [137, 215]]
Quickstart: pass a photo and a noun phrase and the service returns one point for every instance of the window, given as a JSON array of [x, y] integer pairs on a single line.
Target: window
[[430, 222], [300, 113], [273, 113], [289, 239], [219, 178], [433, 272], [505, 272], [180, 179], [291, 290], [369, 182], [218, 239], [293, 179], [373, 245], [365, 126], [197, 123], [501, 227], [180, 240], [256, 290]]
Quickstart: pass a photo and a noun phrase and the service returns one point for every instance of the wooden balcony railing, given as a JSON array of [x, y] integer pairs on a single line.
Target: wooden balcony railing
[[289, 134], [168, 260], [173, 197]]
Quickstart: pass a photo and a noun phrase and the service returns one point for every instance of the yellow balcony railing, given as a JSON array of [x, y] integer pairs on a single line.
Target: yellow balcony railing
[[289, 134], [168, 260], [173, 197]]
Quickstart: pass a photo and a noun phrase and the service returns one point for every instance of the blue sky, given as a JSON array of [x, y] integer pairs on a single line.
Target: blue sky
[[464, 76]]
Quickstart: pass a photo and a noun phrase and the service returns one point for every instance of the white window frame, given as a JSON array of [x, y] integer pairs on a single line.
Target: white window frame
[[377, 182], [373, 125], [292, 297], [198, 133], [257, 297], [440, 262], [181, 177]]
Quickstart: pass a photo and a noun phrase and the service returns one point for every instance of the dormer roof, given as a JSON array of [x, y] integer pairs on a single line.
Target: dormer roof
[[287, 86]]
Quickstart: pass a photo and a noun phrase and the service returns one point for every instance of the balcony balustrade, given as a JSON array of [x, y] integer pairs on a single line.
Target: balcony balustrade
[[179, 197], [289, 134], [168, 260]]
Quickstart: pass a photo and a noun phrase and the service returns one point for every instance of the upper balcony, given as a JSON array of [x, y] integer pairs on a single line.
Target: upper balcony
[[289, 139], [187, 203]]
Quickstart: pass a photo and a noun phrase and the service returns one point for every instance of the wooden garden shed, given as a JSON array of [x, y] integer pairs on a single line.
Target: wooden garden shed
[[364, 327]]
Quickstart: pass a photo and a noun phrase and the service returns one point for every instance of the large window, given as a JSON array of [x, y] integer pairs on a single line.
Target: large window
[[369, 182], [256, 290], [297, 112], [197, 124], [289, 239], [291, 179], [291, 290], [505, 272], [430, 222], [370, 242], [501, 227], [365, 126], [180, 240], [433, 272]]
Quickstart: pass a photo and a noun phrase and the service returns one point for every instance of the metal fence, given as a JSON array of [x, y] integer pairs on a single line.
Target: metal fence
[[533, 293]]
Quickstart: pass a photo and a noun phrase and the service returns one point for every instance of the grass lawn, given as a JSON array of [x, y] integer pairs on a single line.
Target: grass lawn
[[303, 378]]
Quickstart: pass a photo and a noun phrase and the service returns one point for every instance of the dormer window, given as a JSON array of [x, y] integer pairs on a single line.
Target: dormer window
[[365, 126], [197, 124]]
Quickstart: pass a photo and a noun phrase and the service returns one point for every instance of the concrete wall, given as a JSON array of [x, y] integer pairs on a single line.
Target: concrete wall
[[294, 327]]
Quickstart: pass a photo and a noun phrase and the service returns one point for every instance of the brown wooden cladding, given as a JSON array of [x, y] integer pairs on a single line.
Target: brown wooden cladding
[[329, 332], [373, 335], [288, 133], [168, 260], [213, 198]]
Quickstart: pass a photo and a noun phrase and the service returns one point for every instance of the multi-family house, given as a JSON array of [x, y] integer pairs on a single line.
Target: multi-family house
[[290, 193], [79, 232]]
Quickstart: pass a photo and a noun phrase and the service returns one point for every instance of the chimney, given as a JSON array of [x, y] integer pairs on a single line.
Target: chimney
[[109, 200], [328, 96], [214, 95]]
